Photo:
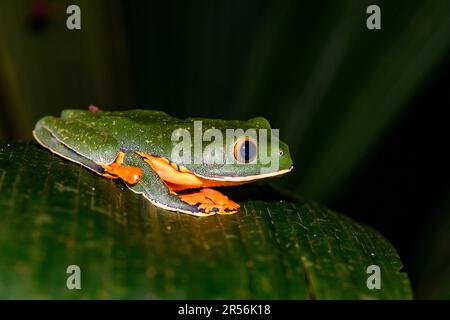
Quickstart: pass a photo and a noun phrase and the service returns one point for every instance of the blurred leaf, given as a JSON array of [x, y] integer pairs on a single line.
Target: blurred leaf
[[188, 57], [333, 87], [51, 67], [432, 261], [13, 122], [54, 213]]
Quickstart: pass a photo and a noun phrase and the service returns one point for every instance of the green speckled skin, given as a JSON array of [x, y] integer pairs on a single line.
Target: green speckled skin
[[93, 138]]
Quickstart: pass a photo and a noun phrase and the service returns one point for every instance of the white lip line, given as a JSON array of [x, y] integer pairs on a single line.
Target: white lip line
[[247, 178]]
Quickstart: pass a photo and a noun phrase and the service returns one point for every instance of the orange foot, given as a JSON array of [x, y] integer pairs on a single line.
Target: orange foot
[[131, 175], [209, 200]]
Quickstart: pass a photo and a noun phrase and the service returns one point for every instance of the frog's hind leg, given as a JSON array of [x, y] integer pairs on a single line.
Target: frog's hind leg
[[92, 148], [152, 187], [45, 138], [88, 146], [85, 140], [186, 186]]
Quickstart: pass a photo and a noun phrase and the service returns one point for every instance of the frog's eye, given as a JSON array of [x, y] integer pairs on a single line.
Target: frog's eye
[[245, 150]]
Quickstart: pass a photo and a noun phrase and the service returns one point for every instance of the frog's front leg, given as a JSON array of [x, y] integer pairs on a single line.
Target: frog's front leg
[[152, 187], [117, 169]]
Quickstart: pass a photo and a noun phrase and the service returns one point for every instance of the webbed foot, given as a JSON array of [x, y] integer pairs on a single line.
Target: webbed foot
[[210, 200], [129, 174]]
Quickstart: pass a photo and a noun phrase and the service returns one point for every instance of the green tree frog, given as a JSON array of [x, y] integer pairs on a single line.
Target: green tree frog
[[137, 146]]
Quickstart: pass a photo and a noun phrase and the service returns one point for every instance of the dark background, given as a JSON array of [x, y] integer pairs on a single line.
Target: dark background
[[365, 112]]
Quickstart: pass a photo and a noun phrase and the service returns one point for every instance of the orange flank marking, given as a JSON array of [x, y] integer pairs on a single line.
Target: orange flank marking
[[179, 178]]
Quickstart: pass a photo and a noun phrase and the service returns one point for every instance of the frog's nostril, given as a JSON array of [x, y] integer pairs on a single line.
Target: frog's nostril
[[280, 153]]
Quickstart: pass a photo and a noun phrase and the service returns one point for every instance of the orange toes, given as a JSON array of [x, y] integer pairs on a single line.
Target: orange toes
[[131, 175], [210, 200]]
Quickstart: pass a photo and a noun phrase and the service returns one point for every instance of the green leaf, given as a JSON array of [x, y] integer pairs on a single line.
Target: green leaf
[[54, 213]]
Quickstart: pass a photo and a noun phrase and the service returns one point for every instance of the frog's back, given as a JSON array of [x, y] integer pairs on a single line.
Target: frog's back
[[134, 115], [147, 131]]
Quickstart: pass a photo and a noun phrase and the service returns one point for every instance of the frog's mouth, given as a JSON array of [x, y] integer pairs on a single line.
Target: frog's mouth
[[179, 178]]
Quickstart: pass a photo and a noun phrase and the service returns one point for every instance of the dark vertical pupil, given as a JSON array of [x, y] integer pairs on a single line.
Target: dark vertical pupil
[[247, 151]]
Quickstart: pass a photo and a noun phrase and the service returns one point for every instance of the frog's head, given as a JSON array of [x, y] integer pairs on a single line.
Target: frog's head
[[226, 152], [250, 151]]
